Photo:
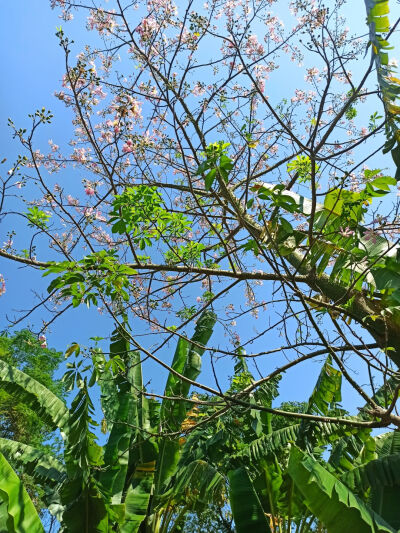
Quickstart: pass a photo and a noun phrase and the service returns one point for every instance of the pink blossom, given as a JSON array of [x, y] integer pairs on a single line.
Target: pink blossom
[[2, 285], [128, 146], [253, 47], [101, 21], [370, 235], [89, 191], [98, 216], [43, 341], [79, 155], [347, 232], [72, 201], [147, 27], [274, 149], [261, 85], [198, 89], [312, 74]]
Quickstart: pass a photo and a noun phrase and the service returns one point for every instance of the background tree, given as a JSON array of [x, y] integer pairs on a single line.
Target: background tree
[[18, 421]]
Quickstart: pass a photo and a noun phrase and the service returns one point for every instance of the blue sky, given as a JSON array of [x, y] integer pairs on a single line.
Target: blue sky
[[32, 63]]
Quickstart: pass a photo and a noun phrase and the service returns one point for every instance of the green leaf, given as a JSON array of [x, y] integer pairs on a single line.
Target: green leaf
[[246, 508], [196, 482], [41, 465], [47, 405], [137, 497], [330, 500], [327, 391], [21, 513], [186, 361], [209, 178]]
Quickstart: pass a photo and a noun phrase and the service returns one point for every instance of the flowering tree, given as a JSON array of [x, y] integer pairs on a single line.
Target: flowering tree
[[226, 160]]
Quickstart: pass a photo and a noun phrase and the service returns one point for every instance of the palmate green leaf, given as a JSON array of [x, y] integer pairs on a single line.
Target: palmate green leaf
[[332, 502], [17, 510], [46, 405], [42, 466], [247, 511]]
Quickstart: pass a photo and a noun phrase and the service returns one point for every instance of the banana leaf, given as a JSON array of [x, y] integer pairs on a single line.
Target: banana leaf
[[40, 465], [247, 512], [47, 405], [17, 512], [186, 361], [332, 502]]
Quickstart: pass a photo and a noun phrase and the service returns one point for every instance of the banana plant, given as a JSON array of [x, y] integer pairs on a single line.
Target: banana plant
[[117, 487], [379, 25], [253, 454]]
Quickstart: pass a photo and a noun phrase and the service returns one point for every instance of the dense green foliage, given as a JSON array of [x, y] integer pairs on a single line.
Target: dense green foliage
[[19, 421]]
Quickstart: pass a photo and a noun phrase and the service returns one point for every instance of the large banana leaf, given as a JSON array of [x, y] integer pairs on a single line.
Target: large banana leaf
[[186, 361], [332, 502], [202, 333], [16, 508], [85, 508], [196, 483], [41, 465], [327, 391], [323, 433], [246, 507], [382, 475], [378, 22], [47, 405], [129, 455], [137, 497]]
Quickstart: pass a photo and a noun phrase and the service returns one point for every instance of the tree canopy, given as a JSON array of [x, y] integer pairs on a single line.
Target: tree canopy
[[233, 167]]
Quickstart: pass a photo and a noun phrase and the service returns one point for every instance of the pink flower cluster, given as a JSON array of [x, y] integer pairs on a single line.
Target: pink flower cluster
[[147, 28], [312, 75], [42, 341], [128, 146], [2, 285], [80, 155], [101, 21], [253, 47]]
